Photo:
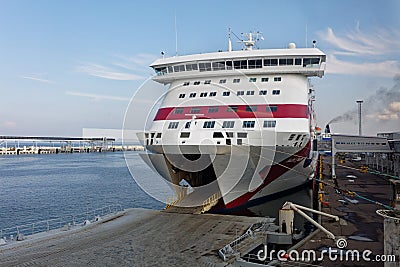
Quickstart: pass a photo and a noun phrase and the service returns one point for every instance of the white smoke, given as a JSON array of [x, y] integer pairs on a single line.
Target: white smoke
[[384, 105]]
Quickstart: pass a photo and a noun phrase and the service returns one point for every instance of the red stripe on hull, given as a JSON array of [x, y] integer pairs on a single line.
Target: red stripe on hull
[[283, 111], [276, 171]]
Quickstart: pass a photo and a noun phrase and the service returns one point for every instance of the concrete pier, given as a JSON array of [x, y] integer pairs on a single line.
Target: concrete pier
[[139, 237]]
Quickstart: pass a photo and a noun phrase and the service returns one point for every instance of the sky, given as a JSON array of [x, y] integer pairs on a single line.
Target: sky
[[68, 65]]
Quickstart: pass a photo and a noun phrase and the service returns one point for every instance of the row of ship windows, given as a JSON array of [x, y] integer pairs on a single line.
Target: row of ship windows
[[187, 134], [228, 93], [218, 135], [359, 143], [299, 137], [236, 80], [196, 110], [225, 124], [238, 64], [228, 140], [229, 135]]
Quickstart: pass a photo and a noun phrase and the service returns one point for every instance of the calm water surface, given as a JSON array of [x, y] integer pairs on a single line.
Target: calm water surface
[[41, 187]]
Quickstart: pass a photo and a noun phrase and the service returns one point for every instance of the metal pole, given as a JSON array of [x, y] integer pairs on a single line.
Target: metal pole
[[290, 204], [359, 116], [295, 208]]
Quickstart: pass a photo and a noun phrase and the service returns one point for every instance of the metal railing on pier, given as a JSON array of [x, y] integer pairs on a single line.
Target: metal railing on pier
[[261, 227], [66, 222]]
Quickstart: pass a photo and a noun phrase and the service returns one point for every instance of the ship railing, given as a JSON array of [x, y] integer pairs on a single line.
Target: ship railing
[[65, 222]]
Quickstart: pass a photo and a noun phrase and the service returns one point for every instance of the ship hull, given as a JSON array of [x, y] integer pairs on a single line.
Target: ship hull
[[237, 173]]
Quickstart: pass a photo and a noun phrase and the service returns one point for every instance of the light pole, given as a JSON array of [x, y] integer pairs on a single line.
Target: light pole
[[359, 102]]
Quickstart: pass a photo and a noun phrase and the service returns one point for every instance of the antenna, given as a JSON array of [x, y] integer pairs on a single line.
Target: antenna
[[176, 38], [229, 40], [252, 38], [306, 35]]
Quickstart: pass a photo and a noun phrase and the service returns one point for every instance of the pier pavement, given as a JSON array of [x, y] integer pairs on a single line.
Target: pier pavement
[[359, 224], [139, 237]]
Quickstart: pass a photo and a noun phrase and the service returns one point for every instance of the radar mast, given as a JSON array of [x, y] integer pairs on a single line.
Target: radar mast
[[250, 39]]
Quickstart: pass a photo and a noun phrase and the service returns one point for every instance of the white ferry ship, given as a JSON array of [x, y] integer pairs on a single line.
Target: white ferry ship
[[239, 124]]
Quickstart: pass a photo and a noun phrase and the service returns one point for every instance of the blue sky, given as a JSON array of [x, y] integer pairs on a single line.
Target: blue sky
[[66, 65]]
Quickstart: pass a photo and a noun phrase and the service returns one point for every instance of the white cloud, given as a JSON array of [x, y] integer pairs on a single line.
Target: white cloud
[[98, 97], [387, 68], [388, 116], [380, 42], [138, 66], [36, 79], [356, 50], [9, 124], [139, 59], [394, 106], [390, 113], [383, 116], [127, 66], [138, 63], [107, 73]]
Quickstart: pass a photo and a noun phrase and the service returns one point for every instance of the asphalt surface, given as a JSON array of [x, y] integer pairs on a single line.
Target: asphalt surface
[[359, 225]]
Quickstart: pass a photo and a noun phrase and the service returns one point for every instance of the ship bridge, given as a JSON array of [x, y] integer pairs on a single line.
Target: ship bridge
[[292, 60]]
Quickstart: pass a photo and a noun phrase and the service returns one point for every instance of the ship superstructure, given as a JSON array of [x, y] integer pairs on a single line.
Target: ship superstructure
[[236, 123]]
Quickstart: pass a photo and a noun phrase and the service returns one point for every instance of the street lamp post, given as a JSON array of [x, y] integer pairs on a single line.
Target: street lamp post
[[359, 102]]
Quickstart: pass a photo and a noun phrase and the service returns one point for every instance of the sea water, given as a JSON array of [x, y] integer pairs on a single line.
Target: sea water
[[41, 187]]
